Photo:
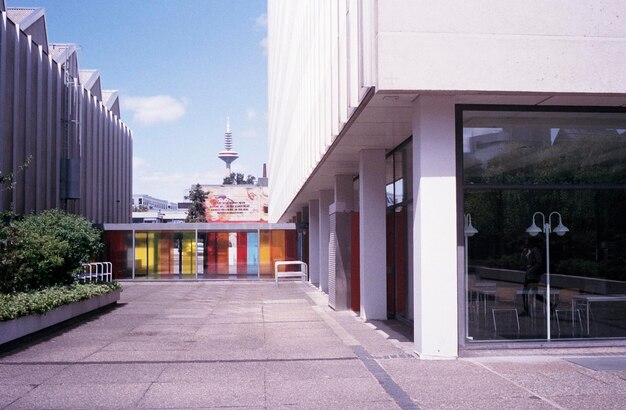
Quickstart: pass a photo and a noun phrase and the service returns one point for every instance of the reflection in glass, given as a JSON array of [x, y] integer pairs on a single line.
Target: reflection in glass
[[543, 148], [516, 163]]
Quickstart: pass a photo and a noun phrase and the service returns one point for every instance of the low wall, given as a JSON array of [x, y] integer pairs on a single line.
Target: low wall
[[25, 325], [589, 285]]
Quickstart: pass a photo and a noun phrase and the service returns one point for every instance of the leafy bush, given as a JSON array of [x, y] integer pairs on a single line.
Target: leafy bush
[[45, 250], [22, 304]]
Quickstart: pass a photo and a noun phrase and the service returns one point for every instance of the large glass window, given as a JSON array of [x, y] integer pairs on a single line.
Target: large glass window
[[544, 167]]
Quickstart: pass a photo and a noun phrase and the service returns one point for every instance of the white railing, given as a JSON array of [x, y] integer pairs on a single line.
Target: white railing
[[98, 271], [301, 273]]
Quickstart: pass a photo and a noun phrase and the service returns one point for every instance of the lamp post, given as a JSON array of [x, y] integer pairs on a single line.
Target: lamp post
[[560, 230], [468, 231]]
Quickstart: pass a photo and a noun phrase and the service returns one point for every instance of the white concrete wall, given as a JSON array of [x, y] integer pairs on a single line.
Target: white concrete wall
[[494, 45], [434, 228], [320, 63]]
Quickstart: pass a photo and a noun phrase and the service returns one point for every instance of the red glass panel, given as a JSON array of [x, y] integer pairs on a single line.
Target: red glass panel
[[291, 246], [391, 291], [355, 265], [210, 250], [222, 253], [400, 261], [242, 253]]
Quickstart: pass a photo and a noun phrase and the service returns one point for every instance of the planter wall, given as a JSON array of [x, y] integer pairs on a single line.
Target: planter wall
[[16, 328]]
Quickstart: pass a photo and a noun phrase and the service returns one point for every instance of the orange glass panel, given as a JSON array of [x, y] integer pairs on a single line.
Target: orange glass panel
[[166, 253], [265, 253]]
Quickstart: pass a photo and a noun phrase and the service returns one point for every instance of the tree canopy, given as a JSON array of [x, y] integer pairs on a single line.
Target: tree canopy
[[196, 212], [239, 179]]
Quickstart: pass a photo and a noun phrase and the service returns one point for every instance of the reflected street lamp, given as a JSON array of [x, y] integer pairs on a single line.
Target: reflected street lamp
[[560, 230], [468, 231]]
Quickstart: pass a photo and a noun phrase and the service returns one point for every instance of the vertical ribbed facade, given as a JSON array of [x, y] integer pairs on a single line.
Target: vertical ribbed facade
[[79, 158], [320, 65]]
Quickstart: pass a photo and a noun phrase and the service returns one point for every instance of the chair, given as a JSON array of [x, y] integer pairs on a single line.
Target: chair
[[566, 310], [504, 306]]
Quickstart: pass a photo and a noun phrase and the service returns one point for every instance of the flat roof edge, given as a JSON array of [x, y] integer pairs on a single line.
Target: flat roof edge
[[239, 226]]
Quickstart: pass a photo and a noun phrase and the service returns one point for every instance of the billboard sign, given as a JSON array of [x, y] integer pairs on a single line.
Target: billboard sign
[[236, 203]]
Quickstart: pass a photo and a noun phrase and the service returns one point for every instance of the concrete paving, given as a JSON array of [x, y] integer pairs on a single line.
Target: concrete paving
[[253, 345]]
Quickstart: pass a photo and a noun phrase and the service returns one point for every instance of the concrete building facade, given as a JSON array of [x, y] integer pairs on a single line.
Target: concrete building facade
[[61, 136], [454, 110]]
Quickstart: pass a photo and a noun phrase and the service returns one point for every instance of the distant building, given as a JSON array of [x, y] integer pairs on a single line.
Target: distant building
[[160, 216], [152, 203], [61, 136]]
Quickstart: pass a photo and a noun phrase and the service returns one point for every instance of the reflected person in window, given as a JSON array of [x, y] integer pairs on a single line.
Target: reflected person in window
[[532, 260]]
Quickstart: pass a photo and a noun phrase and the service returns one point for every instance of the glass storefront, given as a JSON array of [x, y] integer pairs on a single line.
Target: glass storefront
[[545, 189], [399, 185], [163, 254]]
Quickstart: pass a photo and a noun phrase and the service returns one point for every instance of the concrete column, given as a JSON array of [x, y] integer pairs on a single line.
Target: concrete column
[[344, 193], [314, 242], [435, 228], [372, 207], [326, 199], [339, 271]]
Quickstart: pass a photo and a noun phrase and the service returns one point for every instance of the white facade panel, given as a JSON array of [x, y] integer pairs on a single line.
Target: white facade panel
[[488, 45]]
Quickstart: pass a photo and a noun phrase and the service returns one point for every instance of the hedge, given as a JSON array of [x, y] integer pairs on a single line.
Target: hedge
[[15, 305]]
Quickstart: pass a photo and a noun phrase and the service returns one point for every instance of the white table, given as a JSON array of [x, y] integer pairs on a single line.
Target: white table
[[587, 300]]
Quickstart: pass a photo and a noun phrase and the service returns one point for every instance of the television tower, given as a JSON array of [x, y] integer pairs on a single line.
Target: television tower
[[228, 155]]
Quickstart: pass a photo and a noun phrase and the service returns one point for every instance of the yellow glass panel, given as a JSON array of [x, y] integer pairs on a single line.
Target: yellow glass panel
[[141, 254], [265, 253], [153, 252], [189, 252]]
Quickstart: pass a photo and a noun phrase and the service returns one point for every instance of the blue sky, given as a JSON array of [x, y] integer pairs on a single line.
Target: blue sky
[[181, 67]]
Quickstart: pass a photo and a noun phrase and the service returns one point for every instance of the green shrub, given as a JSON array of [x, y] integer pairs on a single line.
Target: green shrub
[[20, 304], [45, 250]]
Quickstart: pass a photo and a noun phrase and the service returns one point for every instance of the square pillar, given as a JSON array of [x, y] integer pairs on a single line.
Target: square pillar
[[372, 234], [339, 263], [314, 242], [325, 200], [435, 228]]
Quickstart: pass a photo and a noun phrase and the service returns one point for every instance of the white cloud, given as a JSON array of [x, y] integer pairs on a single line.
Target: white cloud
[[251, 114], [155, 109], [260, 22]]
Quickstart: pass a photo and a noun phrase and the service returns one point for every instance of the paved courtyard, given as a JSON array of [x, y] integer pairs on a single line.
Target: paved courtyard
[[253, 345]]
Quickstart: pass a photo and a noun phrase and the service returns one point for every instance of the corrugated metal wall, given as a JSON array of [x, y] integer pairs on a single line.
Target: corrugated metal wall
[[33, 121]]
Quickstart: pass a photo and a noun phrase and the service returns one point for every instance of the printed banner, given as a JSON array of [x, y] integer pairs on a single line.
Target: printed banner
[[236, 203]]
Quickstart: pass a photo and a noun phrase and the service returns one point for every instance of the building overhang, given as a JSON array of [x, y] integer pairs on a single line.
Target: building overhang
[[384, 119]]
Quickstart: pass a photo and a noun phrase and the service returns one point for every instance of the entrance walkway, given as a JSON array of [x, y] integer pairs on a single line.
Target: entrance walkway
[[254, 345]]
